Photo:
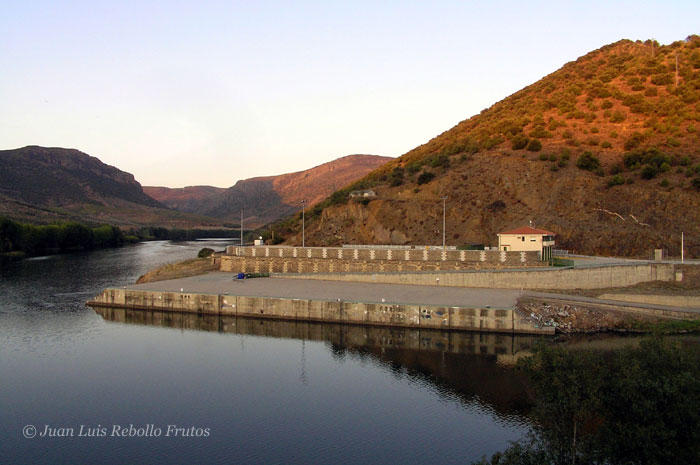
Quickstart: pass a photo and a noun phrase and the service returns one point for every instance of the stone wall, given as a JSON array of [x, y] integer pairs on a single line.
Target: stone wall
[[388, 254], [567, 278], [345, 260], [380, 314]]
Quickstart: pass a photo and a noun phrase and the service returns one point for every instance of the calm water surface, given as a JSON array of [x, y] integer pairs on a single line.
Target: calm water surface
[[268, 392]]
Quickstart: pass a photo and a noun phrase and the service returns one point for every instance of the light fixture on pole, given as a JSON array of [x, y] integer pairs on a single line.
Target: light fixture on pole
[[303, 226], [444, 198], [241, 228]]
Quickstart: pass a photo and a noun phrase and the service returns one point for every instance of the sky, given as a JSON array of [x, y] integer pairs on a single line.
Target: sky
[[184, 93]]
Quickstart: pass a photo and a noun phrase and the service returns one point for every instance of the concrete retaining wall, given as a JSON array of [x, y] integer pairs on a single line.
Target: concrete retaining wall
[[384, 314], [490, 257], [568, 278]]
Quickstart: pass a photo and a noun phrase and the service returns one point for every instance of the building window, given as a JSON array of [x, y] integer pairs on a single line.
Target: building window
[[523, 238]]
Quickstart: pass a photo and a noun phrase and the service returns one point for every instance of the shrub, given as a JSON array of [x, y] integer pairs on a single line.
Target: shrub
[[552, 157], [567, 134], [662, 79], [649, 171], [205, 252], [441, 160], [607, 104], [534, 145], [606, 145], [519, 142], [396, 177], [587, 161], [493, 141], [541, 132], [425, 177], [673, 142], [543, 157], [696, 183], [685, 161], [617, 117], [664, 183], [664, 167], [634, 141], [414, 167], [616, 180]]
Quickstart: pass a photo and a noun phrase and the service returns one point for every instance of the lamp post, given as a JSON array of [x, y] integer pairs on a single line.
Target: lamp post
[[303, 226], [241, 228], [444, 198]]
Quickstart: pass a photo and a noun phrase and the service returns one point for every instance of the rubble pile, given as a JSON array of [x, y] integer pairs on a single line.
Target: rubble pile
[[566, 318]]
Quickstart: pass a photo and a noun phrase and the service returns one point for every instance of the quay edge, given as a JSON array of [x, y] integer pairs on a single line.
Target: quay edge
[[499, 320]]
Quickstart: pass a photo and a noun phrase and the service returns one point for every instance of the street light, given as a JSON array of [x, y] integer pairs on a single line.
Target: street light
[[444, 198], [303, 231]]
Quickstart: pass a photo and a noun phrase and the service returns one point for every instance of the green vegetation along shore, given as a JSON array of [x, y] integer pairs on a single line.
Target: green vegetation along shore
[[20, 239], [638, 405]]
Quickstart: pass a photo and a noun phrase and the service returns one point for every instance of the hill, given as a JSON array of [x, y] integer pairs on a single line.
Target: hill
[[266, 199], [190, 199], [43, 185], [605, 152]]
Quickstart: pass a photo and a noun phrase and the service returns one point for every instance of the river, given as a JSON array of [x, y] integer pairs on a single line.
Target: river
[[238, 390]]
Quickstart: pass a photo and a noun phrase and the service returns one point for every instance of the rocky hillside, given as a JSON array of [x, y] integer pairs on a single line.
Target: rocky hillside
[[605, 152], [43, 185], [190, 199], [270, 198]]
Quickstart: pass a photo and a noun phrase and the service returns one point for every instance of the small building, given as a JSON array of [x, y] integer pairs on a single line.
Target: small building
[[527, 239], [363, 193]]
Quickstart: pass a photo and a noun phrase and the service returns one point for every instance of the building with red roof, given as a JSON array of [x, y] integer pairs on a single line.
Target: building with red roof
[[527, 239]]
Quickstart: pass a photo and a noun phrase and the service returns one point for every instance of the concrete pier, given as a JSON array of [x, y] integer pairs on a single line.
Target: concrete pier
[[431, 307]]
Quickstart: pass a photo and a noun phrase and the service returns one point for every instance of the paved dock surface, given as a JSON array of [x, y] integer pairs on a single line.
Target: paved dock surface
[[223, 283]]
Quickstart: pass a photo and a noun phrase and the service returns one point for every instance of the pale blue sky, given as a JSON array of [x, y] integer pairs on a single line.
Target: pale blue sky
[[185, 93]]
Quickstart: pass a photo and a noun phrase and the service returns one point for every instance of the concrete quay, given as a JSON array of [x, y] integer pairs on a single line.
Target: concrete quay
[[399, 305]]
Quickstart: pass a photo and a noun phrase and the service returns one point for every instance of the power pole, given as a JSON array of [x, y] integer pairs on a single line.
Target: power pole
[[303, 226], [682, 253], [676, 70], [241, 228], [444, 198]]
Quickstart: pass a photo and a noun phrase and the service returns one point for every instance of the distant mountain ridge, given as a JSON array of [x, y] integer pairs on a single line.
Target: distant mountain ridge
[[190, 199], [269, 198], [48, 184], [57, 177]]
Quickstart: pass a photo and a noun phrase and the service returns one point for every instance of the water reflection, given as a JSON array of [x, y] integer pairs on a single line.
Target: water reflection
[[471, 366]]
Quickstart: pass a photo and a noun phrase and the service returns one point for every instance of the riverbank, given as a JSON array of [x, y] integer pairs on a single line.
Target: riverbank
[[582, 318], [184, 269]]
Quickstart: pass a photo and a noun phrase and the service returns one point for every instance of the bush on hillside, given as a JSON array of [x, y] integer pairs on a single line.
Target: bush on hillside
[[616, 180], [587, 161], [649, 171], [425, 177], [534, 145], [519, 142]]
